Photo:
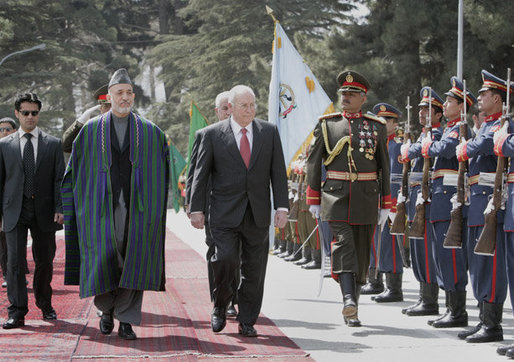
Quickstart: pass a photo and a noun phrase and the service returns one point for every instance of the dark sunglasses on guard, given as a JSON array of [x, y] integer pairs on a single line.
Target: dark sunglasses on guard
[[26, 113]]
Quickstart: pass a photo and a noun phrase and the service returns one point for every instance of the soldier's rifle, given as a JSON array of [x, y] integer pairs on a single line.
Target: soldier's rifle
[[486, 244], [453, 239], [417, 229], [400, 221]]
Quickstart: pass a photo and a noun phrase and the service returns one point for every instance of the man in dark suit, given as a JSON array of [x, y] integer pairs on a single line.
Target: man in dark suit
[[222, 112], [31, 171], [243, 157]]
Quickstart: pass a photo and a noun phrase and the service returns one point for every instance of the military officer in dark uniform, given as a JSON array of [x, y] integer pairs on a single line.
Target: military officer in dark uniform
[[450, 264], [488, 273], [423, 264], [388, 250], [353, 148]]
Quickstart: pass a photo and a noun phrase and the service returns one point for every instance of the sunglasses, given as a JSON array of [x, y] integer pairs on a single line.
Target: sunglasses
[[26, 113], [7, 129]]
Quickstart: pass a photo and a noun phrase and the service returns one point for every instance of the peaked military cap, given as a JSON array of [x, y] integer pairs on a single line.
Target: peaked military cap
[[352, 81], [457, 91], [436, 100], [101, 94], [120, 77], [386, 110], [491, 81]]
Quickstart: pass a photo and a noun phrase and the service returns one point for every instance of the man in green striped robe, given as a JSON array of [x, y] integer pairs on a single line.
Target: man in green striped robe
[[114, 197]]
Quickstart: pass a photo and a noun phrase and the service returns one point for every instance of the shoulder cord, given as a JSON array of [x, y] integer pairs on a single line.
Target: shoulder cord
[[338, 147]]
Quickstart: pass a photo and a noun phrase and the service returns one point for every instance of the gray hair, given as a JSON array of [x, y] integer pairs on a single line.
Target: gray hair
[[220, 97], [238, 90]]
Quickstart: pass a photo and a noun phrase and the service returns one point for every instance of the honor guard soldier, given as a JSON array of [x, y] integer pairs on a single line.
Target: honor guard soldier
[[353, 147], [306, 224], [451, 266], [504, 146], [386, 254], [103, 105], [487, 273], [422, 257]]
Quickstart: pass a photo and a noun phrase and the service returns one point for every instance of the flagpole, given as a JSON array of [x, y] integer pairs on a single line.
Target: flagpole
[[269, 11]]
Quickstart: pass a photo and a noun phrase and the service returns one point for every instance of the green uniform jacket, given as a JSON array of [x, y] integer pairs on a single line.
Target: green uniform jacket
[[354, 202]]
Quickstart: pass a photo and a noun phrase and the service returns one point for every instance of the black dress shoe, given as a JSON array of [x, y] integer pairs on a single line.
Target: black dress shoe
[[106, 323], [218, 319], [50, 314], [502, 350], [231, 311], [312, 265], [247, 330], [302, 261], [470, 332], [14, 323], [125, 331]]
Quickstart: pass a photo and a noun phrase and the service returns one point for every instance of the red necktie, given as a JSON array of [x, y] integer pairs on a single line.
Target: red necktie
[[244, 148]]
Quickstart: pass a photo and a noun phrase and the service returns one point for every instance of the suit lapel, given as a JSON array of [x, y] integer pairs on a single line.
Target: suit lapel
[[16, 150], [42, 146], [256, 142], [229, 141]]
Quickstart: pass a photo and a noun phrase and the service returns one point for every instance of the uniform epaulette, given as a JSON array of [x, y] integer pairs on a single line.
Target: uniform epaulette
[[374, 118], [330, 115]]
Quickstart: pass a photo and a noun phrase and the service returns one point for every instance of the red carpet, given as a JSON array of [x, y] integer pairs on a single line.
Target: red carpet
[[176, 323]]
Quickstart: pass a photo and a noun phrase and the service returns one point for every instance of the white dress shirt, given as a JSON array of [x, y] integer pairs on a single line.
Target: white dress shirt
[[23, 140]]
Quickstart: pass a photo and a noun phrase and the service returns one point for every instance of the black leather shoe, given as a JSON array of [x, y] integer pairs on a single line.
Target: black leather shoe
[[302, 261], [469, 332], [125, 331], [502, 350], [218, 319], [231, 311], [14, 323], [4, 284], [486, 334], [293, 257], [247, 330], [50, 314], [106, 323], [510, 352], [312, 265]]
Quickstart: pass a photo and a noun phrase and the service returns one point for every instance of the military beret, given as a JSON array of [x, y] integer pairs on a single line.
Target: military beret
[[436, 100], [120, 77], [457, 91], [352, 81]]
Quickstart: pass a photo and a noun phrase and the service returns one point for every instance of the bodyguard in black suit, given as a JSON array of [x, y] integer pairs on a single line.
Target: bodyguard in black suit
[[243, 157], [31, 171]]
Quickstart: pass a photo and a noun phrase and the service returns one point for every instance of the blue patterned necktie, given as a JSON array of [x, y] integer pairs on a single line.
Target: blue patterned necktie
[[29, 166]]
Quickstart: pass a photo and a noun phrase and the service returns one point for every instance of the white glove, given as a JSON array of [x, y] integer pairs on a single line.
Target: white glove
[[455, 203], [419, 199], [315, 211], [382, 216], [404, 149], [392, 215], [400, 198], [87, 114], [490, 206], [502, 131], [460, 146]]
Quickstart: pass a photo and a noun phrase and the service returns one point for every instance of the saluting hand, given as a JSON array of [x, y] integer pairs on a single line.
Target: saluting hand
[[280, 219], [197, 220]]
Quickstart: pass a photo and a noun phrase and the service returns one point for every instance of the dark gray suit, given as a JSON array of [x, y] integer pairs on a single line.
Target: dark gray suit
[[240, 208], [21, 213]]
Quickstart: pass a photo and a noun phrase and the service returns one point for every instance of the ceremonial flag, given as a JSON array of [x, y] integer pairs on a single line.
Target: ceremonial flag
[[198, 121], [177, 165], [296, 99]]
